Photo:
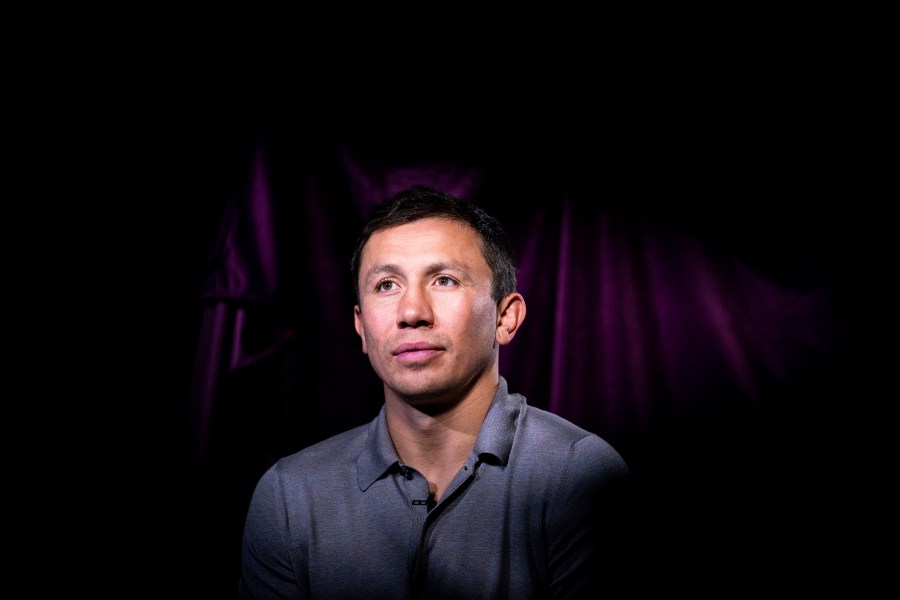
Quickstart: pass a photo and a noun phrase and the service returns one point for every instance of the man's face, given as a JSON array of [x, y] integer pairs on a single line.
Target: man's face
[[426, 316]]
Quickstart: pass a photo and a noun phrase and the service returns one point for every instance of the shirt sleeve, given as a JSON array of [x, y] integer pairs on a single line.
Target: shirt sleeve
[[587, 522], [268, 567]]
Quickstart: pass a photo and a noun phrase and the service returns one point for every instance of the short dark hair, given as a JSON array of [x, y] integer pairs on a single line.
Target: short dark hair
[[423, 202]]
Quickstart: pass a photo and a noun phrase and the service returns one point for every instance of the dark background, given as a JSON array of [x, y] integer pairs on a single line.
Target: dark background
[[782, 490]]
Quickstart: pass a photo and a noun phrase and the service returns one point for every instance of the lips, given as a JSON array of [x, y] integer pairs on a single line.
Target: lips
[[414, 347]]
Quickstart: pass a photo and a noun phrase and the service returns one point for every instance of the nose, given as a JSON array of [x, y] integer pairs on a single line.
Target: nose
[[415, 308]]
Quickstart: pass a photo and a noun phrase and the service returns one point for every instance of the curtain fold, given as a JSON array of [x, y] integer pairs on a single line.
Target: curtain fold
[[690, 354], [633, 320]]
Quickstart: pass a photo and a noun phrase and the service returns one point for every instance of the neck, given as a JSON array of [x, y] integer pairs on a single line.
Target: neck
[[437, 445]]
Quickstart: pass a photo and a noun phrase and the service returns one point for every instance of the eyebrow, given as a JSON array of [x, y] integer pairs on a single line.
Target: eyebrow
[[394, 269], [385, 269]]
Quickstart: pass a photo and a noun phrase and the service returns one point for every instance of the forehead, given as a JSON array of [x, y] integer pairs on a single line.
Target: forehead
[[425, 240]]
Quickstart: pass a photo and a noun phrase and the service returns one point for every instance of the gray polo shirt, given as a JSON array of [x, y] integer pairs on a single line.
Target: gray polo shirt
[[525, 517]]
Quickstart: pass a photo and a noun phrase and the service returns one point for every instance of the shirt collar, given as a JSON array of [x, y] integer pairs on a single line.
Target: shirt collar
[[494, 439], [378, 454], [500, 423]]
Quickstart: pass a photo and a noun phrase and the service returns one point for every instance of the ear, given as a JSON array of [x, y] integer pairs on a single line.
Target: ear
[[510, 314], [357, 323]]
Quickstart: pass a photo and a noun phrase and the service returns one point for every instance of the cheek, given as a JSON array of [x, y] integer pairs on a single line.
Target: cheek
[[484, 317], [376, 323], [381, 316]]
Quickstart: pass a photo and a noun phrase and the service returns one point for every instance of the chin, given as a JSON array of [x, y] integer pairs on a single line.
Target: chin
[[422, 391]]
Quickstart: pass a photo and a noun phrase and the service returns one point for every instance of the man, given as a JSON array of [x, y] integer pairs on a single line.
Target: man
[[457, 489]]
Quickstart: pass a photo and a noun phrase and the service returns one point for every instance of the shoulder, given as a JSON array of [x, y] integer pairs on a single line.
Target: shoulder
[[295, 482], [330, 456], [555, 439]]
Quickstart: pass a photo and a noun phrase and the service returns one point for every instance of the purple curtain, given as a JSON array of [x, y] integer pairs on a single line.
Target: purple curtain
[[699, 324]]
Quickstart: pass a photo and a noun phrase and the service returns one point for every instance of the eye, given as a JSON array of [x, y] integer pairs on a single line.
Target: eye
[[445, 281], [384, 286]]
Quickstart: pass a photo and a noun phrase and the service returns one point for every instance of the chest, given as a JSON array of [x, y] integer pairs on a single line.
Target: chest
[[481, 540]]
